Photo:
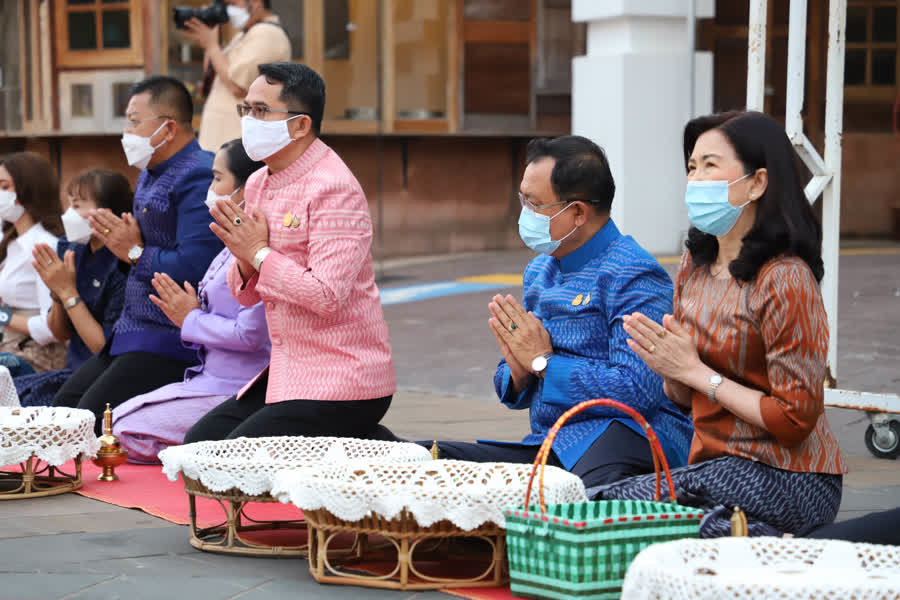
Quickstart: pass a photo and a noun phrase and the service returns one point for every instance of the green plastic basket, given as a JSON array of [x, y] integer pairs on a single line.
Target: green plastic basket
[[582, 550]]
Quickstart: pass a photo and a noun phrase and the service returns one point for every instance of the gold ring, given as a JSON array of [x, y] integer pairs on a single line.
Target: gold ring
[[512, 326], [651, 349], [106, 231], [237, 221], [661, 333]]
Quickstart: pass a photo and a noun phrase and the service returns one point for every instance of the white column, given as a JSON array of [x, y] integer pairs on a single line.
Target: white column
[[631, 95]]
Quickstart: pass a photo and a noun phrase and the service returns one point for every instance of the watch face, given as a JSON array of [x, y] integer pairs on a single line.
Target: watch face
[[715, 379], [539, 364], [134, 253]]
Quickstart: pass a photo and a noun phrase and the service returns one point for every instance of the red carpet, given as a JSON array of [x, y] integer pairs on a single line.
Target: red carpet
[[146, 488]]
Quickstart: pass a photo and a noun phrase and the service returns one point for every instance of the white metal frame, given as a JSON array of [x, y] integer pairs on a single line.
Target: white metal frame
[[826, 179]]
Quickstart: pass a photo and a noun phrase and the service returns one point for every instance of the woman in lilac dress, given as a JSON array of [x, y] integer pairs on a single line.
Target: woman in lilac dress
[[231, 340]]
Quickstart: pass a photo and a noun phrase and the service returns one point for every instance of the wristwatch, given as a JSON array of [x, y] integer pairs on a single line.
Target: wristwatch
[[72, 302], [260, 256], [539, 364], [135, 254], [715, 380]]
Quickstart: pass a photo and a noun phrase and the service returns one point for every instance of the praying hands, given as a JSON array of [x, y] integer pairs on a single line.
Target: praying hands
[[119, 235], [243, 234], [520, 335], [174, 301]]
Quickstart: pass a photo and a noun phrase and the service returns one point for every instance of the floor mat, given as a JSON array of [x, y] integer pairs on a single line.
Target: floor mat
[[145, 487]]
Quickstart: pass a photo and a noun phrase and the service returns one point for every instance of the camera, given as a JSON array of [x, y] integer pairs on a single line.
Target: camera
[[212, 15]]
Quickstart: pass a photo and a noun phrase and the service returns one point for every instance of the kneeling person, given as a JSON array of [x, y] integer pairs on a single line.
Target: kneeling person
[[567, 343], [231, 340], [301, 245]]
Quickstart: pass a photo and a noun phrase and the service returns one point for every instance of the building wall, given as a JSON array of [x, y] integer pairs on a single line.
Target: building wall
[[457, 194], [870, 183]]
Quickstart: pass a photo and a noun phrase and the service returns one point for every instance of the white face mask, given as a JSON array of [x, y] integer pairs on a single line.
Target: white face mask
[[138, 149], [212, 197], [77, 228], [9, 210], [238, 16], [262, 139]]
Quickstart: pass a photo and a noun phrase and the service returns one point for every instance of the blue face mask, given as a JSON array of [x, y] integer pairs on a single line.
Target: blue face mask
[[534, 229], [708, 207]]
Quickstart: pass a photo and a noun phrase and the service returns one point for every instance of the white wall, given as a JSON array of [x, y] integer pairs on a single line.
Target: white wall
[[630, 94]]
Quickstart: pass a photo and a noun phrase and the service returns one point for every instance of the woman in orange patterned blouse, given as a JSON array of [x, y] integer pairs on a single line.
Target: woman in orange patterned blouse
[[745, 351]]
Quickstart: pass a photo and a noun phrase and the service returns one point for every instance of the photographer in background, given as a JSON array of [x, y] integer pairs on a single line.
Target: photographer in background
[[260, 39]]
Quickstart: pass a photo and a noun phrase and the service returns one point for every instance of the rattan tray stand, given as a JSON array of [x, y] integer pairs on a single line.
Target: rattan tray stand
[[37, 479], [226, 536], [405, 535]]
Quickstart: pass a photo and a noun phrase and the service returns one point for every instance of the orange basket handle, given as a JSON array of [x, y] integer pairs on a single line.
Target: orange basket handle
[[659, 458]]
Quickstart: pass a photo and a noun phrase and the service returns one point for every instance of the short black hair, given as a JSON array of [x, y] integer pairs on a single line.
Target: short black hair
[[240, 165], [581, 171], [785, 221], [304, 89], [109, 189], [169, 94]]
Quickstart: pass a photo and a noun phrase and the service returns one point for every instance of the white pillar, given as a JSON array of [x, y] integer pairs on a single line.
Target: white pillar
[[631, 95]]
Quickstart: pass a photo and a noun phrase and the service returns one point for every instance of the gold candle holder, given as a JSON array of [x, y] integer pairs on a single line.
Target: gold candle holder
[[111, 453]]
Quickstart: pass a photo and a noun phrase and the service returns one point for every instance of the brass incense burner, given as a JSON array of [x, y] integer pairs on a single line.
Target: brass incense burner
[[111, 453]]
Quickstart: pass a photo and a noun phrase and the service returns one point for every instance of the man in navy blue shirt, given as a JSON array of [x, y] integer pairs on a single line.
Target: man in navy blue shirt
[[167, 233], [565, 343]]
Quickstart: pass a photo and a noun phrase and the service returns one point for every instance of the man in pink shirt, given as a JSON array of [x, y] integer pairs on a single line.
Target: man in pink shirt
[[301, 245]]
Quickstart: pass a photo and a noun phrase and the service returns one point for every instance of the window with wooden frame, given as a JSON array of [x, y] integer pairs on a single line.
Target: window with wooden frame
[[98, 33], [872, 68]]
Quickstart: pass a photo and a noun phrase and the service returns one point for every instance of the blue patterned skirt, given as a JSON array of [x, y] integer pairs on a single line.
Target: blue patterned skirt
[[39, 389], [775, 501]]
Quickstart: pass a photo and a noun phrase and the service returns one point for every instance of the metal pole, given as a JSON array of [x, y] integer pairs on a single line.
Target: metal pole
[[796, 68], [756, 55], [692, 63], [831, 200]]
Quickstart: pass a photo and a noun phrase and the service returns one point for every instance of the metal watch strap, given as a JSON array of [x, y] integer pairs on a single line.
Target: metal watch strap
[[260, 256], [72, 302]]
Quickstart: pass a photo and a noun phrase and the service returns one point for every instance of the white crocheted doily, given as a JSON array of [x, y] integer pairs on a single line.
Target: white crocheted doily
[[52, 434], [8, 395], [467, 494], [248, 464], [764, 568]]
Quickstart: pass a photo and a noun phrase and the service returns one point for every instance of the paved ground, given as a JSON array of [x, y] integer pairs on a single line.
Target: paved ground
[[72, 547]]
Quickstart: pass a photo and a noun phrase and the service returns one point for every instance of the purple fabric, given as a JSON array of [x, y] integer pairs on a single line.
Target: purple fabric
[[232, 342]]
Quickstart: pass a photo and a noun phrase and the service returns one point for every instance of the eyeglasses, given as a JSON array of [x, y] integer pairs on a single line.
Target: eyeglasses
[[133, 123], [260, 112], [531, 206]]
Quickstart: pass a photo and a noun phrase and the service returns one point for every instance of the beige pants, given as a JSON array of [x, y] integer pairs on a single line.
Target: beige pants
[[43, 358]]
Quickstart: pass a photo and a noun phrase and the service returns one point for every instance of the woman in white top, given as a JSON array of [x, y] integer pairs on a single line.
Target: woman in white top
[[30, 212]]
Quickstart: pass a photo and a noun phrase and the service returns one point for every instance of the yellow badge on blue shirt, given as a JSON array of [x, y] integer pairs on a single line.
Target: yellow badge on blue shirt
[[577, 300]]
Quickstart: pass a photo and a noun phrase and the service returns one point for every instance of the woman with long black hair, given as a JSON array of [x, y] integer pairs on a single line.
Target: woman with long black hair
[[745, 351]]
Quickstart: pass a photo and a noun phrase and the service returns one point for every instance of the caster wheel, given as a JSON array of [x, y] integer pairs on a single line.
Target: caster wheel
[[887, 444]]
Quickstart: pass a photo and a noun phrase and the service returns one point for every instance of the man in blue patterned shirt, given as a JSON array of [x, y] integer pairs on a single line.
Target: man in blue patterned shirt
[[565, 344], [168, 233]]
